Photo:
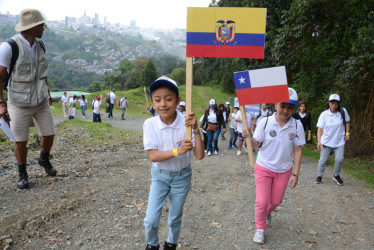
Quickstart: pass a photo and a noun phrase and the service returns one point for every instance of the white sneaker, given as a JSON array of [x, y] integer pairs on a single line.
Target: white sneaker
[[239, 152], [209, 153], [205, 151], [215, 152], [259, 236]]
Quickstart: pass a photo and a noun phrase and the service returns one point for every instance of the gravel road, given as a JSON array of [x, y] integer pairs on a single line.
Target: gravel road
[[99, 199]]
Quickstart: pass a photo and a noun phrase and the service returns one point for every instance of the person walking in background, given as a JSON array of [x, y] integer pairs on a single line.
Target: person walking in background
[[205, 133], [228, 113], [182, 109], [304, 117], [83, 102], [279, 138], [34, 101], [164, 138], [96, 110], [123, 106], [213, 120], [264, 112], [65, 104], [233, 129], [240, 129], [72, 111], [112, 97], [332, 133], [222, 108]]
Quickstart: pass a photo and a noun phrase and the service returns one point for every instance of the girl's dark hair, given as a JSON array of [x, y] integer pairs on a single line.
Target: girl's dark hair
[[165, 86], [74, 97], [83, 97], [221, 106], [301, 103]]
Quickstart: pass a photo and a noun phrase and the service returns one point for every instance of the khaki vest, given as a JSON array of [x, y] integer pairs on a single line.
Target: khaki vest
[[27, 88]]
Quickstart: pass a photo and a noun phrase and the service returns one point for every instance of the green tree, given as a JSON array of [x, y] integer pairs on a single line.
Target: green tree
[[150, 73], [178, 75]]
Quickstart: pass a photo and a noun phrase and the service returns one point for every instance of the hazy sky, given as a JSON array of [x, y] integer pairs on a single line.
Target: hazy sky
[[147, 13]]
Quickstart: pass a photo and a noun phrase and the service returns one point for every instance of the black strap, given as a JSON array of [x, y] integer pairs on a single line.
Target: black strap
[[342, 113], [15, 53]]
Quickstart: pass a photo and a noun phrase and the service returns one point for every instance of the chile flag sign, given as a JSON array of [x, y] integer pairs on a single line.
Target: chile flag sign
[[226, 32], [268, 85]]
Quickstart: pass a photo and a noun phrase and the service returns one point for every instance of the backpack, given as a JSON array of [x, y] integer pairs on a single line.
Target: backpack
[[120, 102], [108, 98], [342, 113], [93, 104], [13, 60]]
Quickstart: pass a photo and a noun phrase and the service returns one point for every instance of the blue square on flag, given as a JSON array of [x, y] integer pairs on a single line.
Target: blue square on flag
[[267, 85], [242, 80]]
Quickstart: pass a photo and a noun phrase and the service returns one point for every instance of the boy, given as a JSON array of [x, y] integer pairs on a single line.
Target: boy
[[169, 151]]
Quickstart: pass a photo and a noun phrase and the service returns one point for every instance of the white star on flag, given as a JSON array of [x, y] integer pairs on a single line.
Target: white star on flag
[[242, 80]]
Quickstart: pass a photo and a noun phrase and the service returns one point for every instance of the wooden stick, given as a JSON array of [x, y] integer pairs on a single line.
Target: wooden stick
[[247, 139], [145, 93], [189, 74]]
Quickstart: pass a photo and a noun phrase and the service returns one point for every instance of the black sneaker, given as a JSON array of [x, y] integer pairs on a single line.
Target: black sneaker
[[149, 247], [169, 246], [319, 180], [338, 180]]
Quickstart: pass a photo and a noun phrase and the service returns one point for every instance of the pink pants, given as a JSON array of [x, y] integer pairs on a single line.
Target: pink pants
[[270, 188]]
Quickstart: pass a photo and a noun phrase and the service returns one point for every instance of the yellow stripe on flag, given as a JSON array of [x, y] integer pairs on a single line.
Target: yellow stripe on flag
[[248, 20]]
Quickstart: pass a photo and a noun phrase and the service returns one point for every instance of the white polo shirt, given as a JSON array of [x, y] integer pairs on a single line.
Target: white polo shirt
[[233, 123], [96, 106], [65, 99], [333, 128], [276, 152], [162, 137], [112, 97], [249, 115]]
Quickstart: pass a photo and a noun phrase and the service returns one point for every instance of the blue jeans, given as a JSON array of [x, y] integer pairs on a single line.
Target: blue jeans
[[123, 113], [233, 137], [213, 137], [324, 157], [83, 108], [166, 183], [110, 110], [96, 117]]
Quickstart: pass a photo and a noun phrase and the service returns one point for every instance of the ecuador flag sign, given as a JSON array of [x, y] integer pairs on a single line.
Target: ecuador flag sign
[[226, 32], [262, 85]]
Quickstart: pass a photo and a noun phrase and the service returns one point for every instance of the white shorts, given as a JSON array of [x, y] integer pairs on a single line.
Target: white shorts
[[20, 119]]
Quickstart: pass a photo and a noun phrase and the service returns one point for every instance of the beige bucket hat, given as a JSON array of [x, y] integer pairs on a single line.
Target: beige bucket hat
[[28, 19]]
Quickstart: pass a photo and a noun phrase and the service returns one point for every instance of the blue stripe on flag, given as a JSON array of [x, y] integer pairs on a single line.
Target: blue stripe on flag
[[242, 80]]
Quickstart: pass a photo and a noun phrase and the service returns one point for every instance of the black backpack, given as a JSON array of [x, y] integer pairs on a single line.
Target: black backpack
[[108, 98], [342, 113], [15, 53]]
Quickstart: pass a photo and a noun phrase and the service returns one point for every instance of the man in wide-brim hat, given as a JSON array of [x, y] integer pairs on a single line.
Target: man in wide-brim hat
[[28, 92]]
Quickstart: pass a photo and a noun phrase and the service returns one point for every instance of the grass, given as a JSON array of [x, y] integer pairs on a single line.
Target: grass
[[360, 169]]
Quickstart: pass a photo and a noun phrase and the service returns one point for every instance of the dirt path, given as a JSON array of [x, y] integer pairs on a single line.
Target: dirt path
[[100, 196]]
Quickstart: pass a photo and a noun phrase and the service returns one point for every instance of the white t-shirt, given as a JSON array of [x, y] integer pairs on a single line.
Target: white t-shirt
[[96, 106], [73, 112], [123, 103], [201, 120], [276, 152], [333, 128], [65, 99], [263, 114], [212, 117], [6, 52], [249, 116], [83, 102], [302, 115], [233, 123], [224, 116], [112, 97], [162, 137]]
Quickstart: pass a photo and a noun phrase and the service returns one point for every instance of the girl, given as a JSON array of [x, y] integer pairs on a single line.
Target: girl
[[333, 132], [280, 138], [83, 103], [304, 117], [96, 110], [213, 119]]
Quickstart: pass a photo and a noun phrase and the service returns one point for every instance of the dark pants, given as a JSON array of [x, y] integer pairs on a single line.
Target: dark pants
[[205, 140], [96, 117], [111, 106]]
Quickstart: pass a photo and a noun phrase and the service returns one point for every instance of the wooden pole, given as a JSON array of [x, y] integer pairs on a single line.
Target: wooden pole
[[247, 140], [189, 74]]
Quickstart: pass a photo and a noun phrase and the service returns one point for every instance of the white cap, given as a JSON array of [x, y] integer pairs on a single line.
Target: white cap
[[212, 102], [294, 99], [227, 103], [182, 104], [334, 97]]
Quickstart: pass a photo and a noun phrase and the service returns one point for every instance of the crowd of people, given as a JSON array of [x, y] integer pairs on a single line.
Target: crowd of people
[[278, 136]]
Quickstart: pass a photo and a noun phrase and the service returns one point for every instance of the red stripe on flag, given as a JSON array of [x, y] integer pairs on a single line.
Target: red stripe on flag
[[229, 51], [270, 94]]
